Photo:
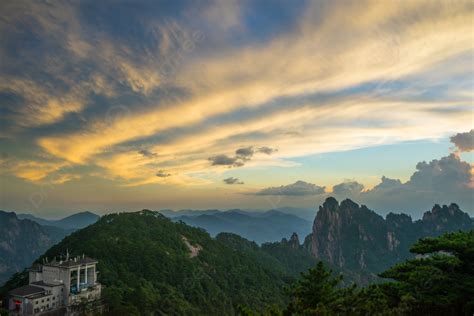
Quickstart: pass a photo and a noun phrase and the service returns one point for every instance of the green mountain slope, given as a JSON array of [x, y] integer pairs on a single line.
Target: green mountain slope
[[150, 264]]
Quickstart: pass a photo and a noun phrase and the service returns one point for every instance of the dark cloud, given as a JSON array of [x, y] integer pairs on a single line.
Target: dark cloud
[[464, 141], [242, 155], [266, 150], [223, 160], [348, 188], [232, 180], [299, 188], [148, 154], [245, 152], [163, 174]]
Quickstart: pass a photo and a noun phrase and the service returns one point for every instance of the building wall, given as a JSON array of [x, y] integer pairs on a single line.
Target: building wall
[[42, 304], [51, 274], [58, 295], [91, 275], [64, 275], [35, 276]]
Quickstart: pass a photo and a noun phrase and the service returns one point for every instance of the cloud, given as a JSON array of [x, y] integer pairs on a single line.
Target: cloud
[[387, 183], [232, 180], [224, 160], [464, 141], [323, 83], [348, 188], [147, 153], [448, 174], [282, 67], [163, 174], [246, 152], [441, 181], [267, 150], [242, 156], [299, 188]]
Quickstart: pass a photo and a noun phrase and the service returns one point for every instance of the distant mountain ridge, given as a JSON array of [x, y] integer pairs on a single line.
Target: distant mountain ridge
[[22, 241], [260, 227], [74, 221], [304, 213], [356, 238]]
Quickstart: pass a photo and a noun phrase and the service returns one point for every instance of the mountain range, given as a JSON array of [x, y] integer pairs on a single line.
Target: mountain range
[[74, 221], [256, 226], [304, 213]]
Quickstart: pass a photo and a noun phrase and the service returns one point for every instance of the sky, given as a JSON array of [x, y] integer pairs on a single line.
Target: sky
[[124, 105]]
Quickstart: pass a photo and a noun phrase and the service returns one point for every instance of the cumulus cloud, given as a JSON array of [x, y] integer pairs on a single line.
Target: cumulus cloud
[[232, 180], [441, 181], [348, 188], [387, 183], [163, 174], [464, 141], [447, 174], [299, 188]]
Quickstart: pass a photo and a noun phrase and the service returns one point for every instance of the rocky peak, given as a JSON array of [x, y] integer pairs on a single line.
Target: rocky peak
[[445, 218], [398, 220], [294, 241], [354, 237], [330, 204]]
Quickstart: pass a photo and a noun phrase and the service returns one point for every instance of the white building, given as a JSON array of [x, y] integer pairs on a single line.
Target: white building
[[57, 286]]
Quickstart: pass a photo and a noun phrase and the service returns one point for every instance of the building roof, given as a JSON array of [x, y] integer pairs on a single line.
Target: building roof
[[27, 290], [73, 262], [42, 283]]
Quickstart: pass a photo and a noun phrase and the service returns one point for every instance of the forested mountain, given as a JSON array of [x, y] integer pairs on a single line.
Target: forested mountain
[[147, 264], [23, 241], [357, 239], [256, 226], [74, 221]]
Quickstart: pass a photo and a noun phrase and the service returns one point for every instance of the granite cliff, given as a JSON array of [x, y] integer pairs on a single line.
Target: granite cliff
[[356, 238]]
